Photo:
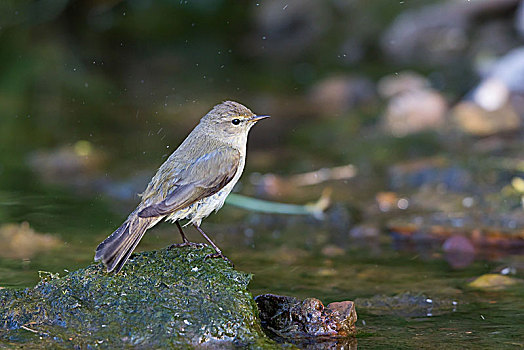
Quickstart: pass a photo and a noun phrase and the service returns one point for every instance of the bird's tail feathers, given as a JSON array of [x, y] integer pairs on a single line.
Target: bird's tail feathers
[[116, 249]]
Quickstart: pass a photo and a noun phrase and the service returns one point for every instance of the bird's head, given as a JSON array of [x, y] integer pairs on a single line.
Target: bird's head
[[230, 120]]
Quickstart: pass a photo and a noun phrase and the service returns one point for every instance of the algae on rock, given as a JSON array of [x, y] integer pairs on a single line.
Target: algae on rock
[[172, 297]]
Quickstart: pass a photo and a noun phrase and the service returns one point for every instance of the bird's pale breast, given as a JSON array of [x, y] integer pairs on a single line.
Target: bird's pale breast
[[201, 209]]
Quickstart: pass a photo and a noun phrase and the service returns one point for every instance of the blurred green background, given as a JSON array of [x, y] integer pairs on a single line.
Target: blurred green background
[[424, 98]]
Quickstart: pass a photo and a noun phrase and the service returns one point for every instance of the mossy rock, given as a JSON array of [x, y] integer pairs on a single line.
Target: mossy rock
[[167, 298]]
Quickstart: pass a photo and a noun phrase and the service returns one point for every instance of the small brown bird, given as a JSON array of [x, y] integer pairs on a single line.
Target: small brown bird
[[192, 183]]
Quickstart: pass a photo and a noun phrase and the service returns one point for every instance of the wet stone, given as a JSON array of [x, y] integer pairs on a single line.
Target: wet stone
[[307, 321], [161, 299]]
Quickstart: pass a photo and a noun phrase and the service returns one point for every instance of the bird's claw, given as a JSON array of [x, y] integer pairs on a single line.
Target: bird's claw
[[219, 255]]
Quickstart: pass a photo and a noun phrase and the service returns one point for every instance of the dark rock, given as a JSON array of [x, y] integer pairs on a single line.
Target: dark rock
[[493, 37], [286, 30], [439, 33], [519, 19], [307, 321], [161, 299]]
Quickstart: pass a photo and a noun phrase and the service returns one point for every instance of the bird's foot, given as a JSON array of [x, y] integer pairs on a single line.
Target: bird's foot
[[219, 255], [187, 244]]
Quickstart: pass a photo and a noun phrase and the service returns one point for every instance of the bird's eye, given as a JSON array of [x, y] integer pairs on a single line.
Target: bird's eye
[[235, 121]]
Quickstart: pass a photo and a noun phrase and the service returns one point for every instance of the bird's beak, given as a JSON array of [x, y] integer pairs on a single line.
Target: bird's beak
[[256, 118]]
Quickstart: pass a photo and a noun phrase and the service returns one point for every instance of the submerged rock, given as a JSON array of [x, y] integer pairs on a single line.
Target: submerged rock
[[407, 305], [167, 298], [494, 281], [308, 321]]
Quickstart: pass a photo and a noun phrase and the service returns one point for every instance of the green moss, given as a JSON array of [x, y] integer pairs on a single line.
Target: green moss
[[171, 297]]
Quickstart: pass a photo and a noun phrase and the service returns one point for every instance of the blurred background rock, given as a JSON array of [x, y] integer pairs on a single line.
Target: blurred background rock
[[131, 77]]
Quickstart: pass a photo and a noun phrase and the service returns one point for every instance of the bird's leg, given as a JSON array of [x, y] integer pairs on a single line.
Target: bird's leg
[[185, 241], [218, 253]]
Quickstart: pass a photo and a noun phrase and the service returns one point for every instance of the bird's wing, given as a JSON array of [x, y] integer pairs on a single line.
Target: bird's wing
[[204, 177]]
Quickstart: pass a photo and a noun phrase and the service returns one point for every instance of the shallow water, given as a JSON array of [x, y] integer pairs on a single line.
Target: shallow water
[[305, 258]]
